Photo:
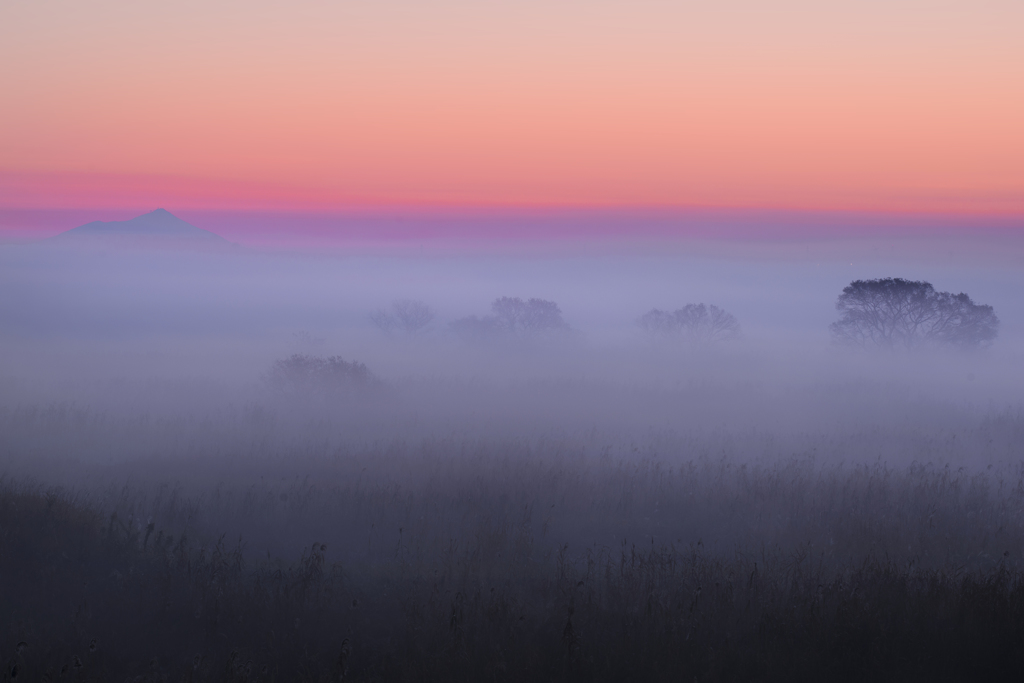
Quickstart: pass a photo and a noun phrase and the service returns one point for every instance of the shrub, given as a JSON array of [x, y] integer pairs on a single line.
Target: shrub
[[300, 374]]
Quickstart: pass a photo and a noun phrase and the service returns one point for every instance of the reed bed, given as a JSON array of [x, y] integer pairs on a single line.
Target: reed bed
[[708, 557]]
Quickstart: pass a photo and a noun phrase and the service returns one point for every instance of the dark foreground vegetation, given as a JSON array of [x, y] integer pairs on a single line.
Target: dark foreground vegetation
[[456, 560]]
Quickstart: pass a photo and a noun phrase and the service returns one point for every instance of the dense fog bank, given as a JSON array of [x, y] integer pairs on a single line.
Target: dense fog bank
[[78, 321], [135, 351], [278, 475]]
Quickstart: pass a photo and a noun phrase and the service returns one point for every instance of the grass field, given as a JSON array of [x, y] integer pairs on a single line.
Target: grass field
[[267, 547]]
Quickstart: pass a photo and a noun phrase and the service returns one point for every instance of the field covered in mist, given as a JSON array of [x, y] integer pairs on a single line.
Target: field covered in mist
[[191, 489]]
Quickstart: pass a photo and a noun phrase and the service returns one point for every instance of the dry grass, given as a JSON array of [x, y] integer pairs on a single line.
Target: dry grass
[[459, 559]]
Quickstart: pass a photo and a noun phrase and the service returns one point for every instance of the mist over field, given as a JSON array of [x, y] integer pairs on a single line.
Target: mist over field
[[250, 442], [511, 342]]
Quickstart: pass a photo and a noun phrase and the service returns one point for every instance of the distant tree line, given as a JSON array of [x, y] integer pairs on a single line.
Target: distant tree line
[[888, 313], [517, 318]]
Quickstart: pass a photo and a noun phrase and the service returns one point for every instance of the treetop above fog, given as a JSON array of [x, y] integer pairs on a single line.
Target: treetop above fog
[[696, 323], [894, 313], [526, 317], [406, 315], [513, 317]]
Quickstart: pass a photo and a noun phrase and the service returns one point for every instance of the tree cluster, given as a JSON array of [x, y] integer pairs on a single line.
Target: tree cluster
[[888, 313]]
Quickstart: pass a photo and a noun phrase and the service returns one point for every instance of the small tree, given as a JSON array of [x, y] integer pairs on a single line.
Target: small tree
[[406, 315], [527, 317], [513, 317], [696, 323], [893, 312]]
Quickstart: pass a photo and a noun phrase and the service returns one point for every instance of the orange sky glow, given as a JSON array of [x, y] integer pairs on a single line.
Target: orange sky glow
[[867, 106]]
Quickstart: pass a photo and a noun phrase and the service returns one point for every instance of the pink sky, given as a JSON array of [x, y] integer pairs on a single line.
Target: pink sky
[[874, 106]]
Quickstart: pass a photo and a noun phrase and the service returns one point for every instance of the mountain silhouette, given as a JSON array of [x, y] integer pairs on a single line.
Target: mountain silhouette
[[160, 226]]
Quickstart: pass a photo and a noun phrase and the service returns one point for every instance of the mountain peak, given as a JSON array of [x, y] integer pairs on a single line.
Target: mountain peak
[[159, 225]]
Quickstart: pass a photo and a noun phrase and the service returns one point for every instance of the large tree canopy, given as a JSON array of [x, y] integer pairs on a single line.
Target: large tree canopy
[[893, 312]]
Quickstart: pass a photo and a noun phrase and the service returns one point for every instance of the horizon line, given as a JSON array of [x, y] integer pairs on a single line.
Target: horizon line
[[451, 226]]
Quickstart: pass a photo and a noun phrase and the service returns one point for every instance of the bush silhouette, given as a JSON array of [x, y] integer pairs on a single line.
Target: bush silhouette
[[300, 374]]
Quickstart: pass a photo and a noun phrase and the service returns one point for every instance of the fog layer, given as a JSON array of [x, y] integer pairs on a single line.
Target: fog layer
[[457, 465]]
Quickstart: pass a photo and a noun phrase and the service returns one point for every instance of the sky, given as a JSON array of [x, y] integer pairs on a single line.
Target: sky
[[891, 107]]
